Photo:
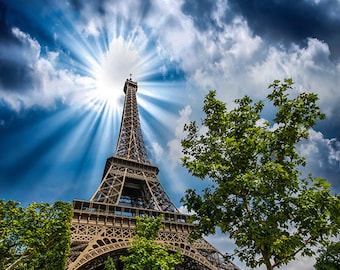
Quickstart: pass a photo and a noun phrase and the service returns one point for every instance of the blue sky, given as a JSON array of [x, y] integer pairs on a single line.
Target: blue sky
[[63, 65]]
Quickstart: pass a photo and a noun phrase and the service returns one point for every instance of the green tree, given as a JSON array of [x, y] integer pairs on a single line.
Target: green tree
[[145, 253], [109, 264], [329, 258], [36, 237], [257, 195]]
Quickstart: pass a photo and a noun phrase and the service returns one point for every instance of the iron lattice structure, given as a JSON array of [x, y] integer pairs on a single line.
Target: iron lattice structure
[[104, 225]]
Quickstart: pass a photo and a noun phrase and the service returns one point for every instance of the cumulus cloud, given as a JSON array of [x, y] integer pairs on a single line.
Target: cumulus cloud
[[184, 210], [309, 67], [292, 21], [175, 148], [18, 63], [34, 79], [115, 18], [323, 157], [157, 151], [235, 61]]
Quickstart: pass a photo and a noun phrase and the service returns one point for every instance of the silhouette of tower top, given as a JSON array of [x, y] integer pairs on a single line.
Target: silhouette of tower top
[[130, 142]]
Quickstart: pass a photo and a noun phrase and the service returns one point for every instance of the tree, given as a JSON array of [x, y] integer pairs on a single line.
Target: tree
[[257, 194], [109, 264], [36, 237], [145, 253], [329, 258]]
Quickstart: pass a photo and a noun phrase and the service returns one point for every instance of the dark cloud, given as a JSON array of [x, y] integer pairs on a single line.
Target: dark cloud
[[202, 13], [15, 76], [330, 126], [325, 162], [16, 72], [293, 21]]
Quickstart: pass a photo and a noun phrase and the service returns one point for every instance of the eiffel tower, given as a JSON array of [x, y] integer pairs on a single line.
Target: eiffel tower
[[104, 225]]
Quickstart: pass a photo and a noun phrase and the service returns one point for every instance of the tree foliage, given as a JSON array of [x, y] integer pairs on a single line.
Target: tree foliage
[[36, 237], [329, 258], [109, 264], [145, 253], [257, 193]]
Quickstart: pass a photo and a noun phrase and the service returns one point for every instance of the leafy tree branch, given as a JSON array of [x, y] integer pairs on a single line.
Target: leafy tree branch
[[36, 237]]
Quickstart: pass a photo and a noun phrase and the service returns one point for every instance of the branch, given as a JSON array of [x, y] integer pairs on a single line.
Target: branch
[[245, 201], [296, 252], [17, 261]]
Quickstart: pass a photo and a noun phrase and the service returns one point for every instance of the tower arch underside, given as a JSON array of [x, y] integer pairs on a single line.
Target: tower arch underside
[[98, 250], [99, 229]]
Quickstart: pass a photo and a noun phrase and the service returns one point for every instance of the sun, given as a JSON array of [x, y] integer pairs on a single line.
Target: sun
[[116, 65]]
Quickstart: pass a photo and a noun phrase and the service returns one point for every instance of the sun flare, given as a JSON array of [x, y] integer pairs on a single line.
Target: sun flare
[[117, 64]]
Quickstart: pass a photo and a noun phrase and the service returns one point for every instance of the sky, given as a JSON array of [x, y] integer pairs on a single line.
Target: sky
[[63, 64]]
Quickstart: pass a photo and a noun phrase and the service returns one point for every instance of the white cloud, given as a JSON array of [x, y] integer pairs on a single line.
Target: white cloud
[[174, 31], [157, 151], [219, 11], [175, 148], [301, 263], [334, 156], [184, 210], [322, 156], [244, 44], [34, 46], [221, 59], [45, 82], [318, 148], [175, 152], [236, 62], [310, 68]]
